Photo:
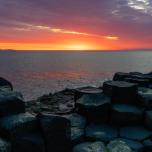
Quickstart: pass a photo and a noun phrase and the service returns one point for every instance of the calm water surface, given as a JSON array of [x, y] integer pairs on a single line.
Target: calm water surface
[[37, 73]]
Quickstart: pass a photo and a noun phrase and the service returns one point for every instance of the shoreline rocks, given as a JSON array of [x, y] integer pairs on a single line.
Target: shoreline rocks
[[95, 107], [120, 91], [116, 117], [124, 114], [102, 132], [56, 131]]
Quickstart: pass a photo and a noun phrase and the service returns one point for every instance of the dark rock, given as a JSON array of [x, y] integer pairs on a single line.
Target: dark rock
[[90, 147], [136, 73], [29, 143], [135, 77], [134, 145], [147, 145], [45, 99], [143, 76], [61, 100], [94, 106], [78, 124], [56, 132], [149, 77], [102, 132], [12, 93], [120, 76], [60, 103], [4, 82], [68, 91], [145, 97], [118, 146], [76, 120], [140, 82], [149, 73], [135, 133], [65, 108], [121, 92], [148, 119], [18, 125], [86, 90], [5, 88], [5, 146], [77, 135], [11, 105], [33, 107], [125, 114]]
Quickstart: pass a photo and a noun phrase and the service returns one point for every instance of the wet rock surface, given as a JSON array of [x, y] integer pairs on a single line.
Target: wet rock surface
[[77, 135], [118, 146], [76, 120], [117, 117], [78, 124], [90, 147], [145, 97], [135, 133], [5, 146], [147, 145], [17, 125], [59, 103], [120, 76], [120, 91], [134, 145], [103, 132], [29, 143], [56, 131], [86, 91], [140, 82], [124, 114], [94, 107], [10, 105], [148, 119], [5, 83]]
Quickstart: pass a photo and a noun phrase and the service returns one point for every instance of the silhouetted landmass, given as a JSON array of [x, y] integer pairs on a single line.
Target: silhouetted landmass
[[8, 50]]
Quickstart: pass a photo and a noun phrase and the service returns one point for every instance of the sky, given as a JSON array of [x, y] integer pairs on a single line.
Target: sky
[[75, 24]]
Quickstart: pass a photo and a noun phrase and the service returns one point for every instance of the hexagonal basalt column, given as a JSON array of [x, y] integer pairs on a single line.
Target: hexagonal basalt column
[[135, 133], [121, 92], [103, 132], [125, 114], [86, 90], [95, 107], [56, 132], [90, 147]]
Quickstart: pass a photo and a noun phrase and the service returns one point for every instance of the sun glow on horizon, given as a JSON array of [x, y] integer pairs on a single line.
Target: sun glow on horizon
[[79, 47], [74, 47], [40, 37]]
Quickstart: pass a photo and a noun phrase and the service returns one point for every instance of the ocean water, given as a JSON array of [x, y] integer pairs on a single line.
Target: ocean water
[[37, 73]]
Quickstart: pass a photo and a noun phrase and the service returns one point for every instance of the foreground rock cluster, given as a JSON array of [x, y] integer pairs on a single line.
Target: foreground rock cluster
[[116, 117]]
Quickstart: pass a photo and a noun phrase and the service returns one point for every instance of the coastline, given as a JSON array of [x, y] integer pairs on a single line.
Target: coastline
[[117, 115]]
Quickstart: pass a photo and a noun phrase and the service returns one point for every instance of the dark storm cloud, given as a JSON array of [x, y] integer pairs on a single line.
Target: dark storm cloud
[[125, 18]]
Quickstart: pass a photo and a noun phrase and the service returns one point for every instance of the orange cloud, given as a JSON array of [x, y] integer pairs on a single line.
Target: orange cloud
[[38, 37], [112, 37], [28, 27]]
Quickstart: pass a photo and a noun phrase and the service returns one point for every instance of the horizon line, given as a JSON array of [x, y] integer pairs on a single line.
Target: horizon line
[[89, 50]]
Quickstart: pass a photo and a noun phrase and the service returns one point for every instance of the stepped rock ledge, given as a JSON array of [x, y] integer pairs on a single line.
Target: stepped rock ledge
[[116, 117]]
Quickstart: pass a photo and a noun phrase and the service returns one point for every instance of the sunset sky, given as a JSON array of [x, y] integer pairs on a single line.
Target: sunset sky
[[75, 24]]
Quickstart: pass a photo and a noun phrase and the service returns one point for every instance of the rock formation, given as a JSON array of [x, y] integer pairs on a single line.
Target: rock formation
[[116, 117]]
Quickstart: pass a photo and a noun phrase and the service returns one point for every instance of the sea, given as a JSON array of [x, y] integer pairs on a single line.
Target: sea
[[35, 73]]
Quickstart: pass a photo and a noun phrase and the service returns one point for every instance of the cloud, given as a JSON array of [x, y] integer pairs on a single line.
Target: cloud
[[111, 37], [141, 5], [30, 28], [127, 19]]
